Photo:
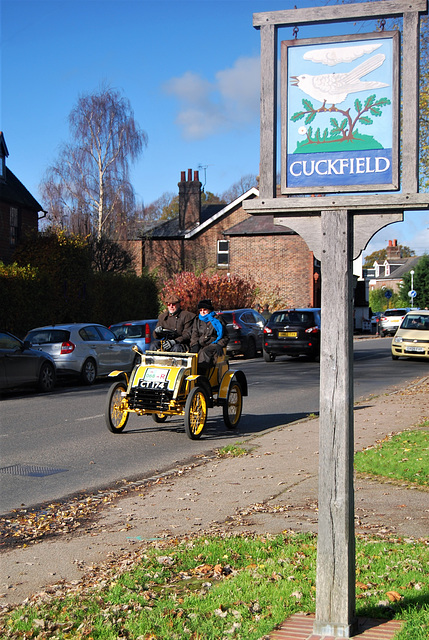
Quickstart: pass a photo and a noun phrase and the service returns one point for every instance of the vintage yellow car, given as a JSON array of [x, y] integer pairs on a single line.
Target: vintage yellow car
[[168, 384]]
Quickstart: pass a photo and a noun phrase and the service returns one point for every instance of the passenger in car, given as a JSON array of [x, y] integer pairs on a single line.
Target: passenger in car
[[209, 336]]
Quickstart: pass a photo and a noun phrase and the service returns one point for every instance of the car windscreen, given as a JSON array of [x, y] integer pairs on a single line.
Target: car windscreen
[[416, 322], [300, 318], [227, 317], [48, 336]]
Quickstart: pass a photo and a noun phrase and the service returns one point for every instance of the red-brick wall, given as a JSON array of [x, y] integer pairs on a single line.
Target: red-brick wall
[[280, 264]]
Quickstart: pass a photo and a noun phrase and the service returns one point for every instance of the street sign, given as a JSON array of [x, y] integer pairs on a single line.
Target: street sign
[[388, 294], [412, 293]]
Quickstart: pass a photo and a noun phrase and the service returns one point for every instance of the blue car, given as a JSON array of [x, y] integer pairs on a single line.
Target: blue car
[[137, 332]]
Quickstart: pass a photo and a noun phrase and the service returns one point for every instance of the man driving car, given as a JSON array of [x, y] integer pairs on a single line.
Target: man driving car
[[175, 322]]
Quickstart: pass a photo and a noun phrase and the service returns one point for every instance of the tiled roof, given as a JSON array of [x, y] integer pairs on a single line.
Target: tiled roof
[[401, 270], [13, 191], [259, 226]]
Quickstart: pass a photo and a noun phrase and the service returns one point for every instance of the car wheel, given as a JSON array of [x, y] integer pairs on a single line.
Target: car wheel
[[159, 417], [268, 357], [251, 349], [89, 372], [233, 406], [395, 357], [46, 377], [195, 413], [116, 411]]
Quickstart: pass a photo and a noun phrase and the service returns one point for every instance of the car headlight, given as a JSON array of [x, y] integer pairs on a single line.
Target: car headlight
[[397, 340]]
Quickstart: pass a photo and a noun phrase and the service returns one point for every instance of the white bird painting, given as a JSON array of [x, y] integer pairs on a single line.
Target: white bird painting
[[333, 88]]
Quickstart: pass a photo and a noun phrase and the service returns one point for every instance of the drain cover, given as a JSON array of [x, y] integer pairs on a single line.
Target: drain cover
[[34, 470]]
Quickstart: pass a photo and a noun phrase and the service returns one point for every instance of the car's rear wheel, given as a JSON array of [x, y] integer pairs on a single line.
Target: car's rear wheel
[[89, 372], [233, 406], [195, 413], [251, 349], [46, 377], [159, 417], [116, 413], [268, 357]]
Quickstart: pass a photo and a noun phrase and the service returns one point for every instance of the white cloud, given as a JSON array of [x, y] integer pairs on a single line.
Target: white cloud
[[207, 108], [335, 55]]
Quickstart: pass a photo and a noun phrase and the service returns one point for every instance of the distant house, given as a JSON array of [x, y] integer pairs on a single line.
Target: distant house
[[228, 239], [19, 211], [390, 272]]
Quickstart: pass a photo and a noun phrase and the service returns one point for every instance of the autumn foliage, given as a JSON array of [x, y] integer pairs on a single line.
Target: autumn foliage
[[225, 291]]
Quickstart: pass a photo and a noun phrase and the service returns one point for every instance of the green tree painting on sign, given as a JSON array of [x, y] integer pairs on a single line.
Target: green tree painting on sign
[[344, 130]]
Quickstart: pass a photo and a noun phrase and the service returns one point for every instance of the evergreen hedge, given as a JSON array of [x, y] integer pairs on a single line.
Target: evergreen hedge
[[31, 297]]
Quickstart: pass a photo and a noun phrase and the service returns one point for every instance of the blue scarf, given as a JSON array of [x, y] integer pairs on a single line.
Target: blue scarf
[[211, 317]]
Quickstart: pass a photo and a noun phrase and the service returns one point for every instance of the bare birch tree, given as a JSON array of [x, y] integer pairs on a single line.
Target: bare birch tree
[[87, 190]]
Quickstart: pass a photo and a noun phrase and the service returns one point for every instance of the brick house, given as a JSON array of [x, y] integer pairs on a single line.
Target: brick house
[[19, 211], [390, 272], [227, 238]]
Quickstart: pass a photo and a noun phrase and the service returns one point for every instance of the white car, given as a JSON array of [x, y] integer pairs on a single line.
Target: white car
[[87, 350], [390, 320]]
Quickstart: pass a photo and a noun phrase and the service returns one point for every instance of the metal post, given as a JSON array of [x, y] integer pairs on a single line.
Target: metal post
[[335, 580]]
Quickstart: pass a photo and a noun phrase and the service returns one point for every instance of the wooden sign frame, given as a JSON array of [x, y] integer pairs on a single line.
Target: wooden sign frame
[[408, 196]]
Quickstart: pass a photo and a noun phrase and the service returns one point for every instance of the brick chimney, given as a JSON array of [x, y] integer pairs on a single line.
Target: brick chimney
[[189, 200], [393, 252]]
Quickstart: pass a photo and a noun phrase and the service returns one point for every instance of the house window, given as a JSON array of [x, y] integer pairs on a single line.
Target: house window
[[13, 226], [223, 253]]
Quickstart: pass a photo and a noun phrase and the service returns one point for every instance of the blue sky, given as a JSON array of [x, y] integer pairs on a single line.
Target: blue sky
[[189, 68]]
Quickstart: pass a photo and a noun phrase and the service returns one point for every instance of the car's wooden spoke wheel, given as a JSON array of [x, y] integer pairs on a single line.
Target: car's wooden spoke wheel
[[116, 412], [233, 406], [195, 413]]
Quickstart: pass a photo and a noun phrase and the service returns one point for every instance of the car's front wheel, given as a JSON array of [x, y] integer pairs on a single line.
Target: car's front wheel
[[195, 413], [395, 357], [268, 357], [89, 372], [46, 377], [159, 417], [116, 411]]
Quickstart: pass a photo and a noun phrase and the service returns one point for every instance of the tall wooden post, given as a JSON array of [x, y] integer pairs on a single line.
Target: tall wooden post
[[335, 580]]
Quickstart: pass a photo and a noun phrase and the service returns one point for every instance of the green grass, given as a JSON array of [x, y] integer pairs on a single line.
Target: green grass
[[232, 451], [238, 587], [403, 457]]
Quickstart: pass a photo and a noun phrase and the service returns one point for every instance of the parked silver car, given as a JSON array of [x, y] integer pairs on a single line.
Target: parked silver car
[[22, 366], [88, 350]]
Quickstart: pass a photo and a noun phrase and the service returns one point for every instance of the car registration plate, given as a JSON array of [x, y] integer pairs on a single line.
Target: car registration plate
[[288, 334], [414, 349]]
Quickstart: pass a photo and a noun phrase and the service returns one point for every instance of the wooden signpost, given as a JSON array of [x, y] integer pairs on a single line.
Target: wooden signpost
[[361, 185]]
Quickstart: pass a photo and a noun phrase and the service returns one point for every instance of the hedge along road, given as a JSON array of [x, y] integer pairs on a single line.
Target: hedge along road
[[56, 445]]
